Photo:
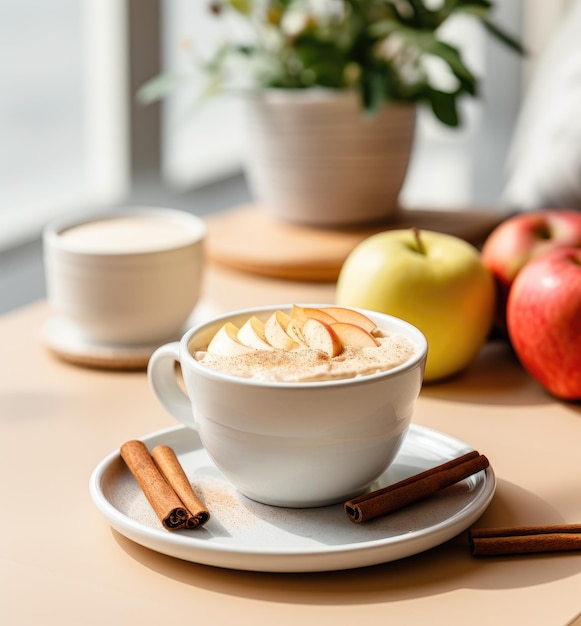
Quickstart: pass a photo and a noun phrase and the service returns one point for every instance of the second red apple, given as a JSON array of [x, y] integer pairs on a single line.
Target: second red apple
[[526, 236], [544, 321]]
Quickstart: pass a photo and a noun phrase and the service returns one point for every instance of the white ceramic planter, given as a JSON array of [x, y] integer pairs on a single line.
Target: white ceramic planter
[[313, 156]]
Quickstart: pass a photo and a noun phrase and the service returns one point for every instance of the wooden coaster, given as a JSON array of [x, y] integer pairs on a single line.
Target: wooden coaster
[[68, 346], [248, 239], [65, 342], [114, 361]]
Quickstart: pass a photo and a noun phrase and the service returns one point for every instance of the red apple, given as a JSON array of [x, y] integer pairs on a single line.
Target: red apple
[[526, 236], [544, 321]]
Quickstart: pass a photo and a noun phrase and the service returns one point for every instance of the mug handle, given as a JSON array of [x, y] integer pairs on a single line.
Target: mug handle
[[162, 380]]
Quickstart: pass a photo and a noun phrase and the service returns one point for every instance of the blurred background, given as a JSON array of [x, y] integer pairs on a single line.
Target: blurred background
[[74, 138]]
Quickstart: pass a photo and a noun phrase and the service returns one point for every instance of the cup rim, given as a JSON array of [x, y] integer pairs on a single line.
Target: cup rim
[[52, 231], [419, 340]]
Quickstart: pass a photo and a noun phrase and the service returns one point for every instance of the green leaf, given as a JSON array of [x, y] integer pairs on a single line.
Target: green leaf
[[385, 27], [159, 87], [478, 12], [444, 106], [374, 87], [424, 18], [216, 63], [480, 9], [321, 62], [484, 6], [508, 40]]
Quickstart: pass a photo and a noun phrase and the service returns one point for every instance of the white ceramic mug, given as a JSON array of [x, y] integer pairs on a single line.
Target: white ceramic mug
[[292, 444], [126, 278]]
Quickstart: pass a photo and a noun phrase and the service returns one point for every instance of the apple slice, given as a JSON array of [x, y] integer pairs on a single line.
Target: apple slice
[[294, 331], [251, 334], [299, 312], [275, 331], [352, 335], [225, 342], [316, 335], [350, 316]]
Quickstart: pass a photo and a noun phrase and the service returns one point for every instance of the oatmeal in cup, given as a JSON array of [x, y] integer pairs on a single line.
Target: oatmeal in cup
[[298, 406]]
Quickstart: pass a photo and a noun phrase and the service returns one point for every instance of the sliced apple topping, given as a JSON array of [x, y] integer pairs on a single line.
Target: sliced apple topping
[[350, 316], [327, 329], [352, 335], [225, 342], [316, 335], [275, 331], [251, 334], [299, 312]]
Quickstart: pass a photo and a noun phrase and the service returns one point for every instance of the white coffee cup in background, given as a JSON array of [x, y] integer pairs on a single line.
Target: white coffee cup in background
[[125, 278]]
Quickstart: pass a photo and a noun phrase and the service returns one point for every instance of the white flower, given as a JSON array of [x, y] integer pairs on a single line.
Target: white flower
[[434, 5], [439, 74], [294, 22]]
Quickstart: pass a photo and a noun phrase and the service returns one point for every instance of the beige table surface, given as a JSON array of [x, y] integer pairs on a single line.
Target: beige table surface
[[61, 563]]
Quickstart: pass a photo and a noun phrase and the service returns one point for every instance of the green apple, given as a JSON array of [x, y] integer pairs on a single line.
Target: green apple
[[437, 282]]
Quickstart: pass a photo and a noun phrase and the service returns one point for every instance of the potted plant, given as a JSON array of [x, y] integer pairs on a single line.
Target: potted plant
[[331, 88]]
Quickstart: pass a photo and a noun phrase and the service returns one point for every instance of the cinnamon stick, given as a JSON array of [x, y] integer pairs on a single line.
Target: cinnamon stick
[[163, 499], [414, 488], [524, 539], [172, 471]]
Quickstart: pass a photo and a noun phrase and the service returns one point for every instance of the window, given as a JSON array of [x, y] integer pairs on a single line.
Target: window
[[62, 127]]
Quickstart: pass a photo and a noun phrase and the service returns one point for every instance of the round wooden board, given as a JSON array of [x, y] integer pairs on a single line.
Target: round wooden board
[[248, 239]]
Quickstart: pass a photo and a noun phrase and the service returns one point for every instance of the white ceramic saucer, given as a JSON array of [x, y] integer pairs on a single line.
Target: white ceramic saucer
[[245, 535]]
